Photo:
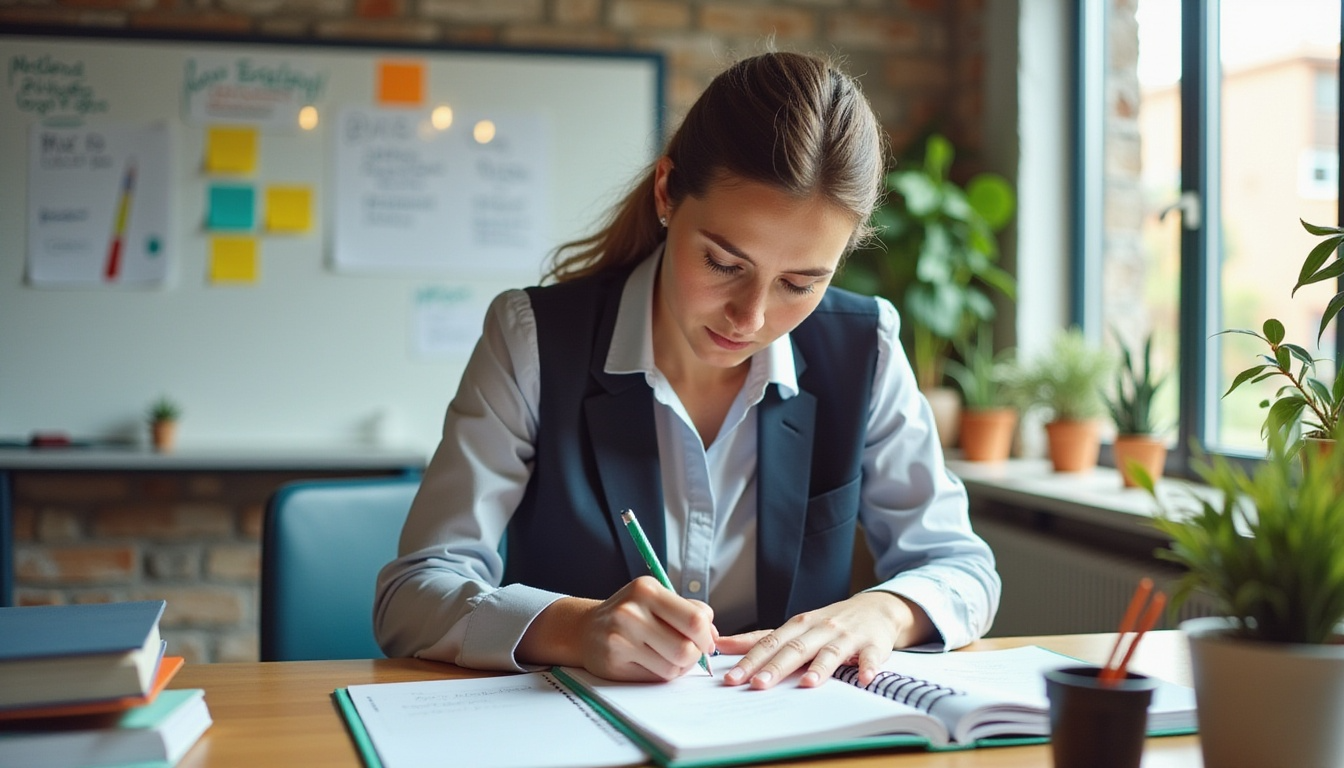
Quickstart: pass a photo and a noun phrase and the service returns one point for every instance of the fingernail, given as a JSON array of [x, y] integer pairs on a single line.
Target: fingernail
[[811, 678], [734, 675], [763, 678]]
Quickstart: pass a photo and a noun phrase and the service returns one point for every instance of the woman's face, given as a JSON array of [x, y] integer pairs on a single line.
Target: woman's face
[[744, 264]]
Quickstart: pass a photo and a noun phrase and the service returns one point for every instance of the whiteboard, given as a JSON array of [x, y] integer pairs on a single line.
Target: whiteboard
[[305, 354]]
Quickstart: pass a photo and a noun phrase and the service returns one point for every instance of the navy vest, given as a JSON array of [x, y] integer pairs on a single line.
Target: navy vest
[[597, 454]]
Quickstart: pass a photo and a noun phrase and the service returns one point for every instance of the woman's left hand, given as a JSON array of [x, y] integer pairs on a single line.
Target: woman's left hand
[[863, 629]]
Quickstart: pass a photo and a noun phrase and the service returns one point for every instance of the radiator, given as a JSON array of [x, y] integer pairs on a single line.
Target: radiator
[[1052, 586]]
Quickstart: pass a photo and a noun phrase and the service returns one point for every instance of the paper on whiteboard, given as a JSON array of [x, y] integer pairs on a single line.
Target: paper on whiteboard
[[98, 205], [412, 197]]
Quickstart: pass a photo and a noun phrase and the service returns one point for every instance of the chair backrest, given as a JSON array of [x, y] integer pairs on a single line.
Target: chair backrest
[[323, 542]]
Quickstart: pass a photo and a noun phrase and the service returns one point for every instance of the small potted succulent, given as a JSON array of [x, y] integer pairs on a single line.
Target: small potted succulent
[[989, 383], [162, 415], [1065, 382], [1131, 405]]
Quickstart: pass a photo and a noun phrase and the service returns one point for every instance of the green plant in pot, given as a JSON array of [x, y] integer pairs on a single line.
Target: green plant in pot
[[1268, 547], [1065, 383], [162, 416], [1304, 404], [990, 385], [1131, 406], [935, 256]]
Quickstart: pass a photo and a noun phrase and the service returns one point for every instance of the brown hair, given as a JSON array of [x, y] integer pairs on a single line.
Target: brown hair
[[792, 121]]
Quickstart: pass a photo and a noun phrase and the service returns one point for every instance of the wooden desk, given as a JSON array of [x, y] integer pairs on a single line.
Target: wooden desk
[[281, 713]]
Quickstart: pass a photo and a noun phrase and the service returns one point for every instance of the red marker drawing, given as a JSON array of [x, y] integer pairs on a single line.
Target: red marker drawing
[[119, 226]]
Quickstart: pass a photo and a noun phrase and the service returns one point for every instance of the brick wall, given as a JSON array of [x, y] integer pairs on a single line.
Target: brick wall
[[920, 61], [191, 538]]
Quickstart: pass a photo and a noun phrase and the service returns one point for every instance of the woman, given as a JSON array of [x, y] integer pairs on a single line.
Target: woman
[[690, 363]]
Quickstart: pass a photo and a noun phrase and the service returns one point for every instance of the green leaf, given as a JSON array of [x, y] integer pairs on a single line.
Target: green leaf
[[1317, 257], [1245, 376], [938, 155], [992, 197], [922, 196], [1274, 332], [1332, 310], [1320, 230]]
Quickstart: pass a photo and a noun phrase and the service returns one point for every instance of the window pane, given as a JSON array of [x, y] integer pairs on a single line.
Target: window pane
[[1280, 163], [1140, 265]]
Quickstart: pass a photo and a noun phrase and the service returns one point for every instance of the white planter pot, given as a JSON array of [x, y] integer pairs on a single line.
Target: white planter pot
[[1266, 704]]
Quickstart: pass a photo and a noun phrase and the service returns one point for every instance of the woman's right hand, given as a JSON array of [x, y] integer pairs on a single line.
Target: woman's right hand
[[643, 633]]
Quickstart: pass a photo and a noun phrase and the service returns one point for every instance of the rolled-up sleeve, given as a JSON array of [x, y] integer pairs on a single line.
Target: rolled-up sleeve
[[440, 598], [914, 511]]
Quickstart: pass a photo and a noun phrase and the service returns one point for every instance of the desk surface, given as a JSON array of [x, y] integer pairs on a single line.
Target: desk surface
[[281, 713]]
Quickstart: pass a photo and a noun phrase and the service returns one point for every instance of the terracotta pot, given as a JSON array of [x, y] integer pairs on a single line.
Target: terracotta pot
[[946, 405], [1265, 703], [163, 434], [987, 433], [1145, 450], [1074, 445]]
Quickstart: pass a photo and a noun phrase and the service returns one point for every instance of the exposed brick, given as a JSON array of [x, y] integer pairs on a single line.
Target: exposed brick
[[39, 597], [55, 524], [71, 488], [300, 9], [391, 30], [234, 562], [879, 31], [116, 5], [559, 37], [649, 14], [474, 12], [199, 606], [54, 16], [380, 9], [238, 646], [191, 646], [576, 11], [691, 53], [24, 523], [179, 563], [284, 27], [160, 487], [915, 72], [758, 21], [473, 34], [213, 22], [163, 521], [76, 565], [91, 596], [251, 519]]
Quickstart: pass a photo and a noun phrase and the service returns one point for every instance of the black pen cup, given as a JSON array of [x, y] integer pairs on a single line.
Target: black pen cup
[[1095, 725]]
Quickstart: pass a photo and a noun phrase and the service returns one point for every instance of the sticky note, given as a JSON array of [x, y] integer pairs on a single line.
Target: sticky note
[[230, 206], [233, 260], [231, 149], [289, 208], [401, 83]]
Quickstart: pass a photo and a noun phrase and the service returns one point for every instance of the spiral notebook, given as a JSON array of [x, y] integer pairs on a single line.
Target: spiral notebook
[[568, 716]]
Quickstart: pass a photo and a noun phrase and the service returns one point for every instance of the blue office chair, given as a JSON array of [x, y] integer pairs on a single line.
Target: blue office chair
[[323, 542]]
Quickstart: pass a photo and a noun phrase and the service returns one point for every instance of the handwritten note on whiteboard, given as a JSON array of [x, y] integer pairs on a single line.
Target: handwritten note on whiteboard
[[469, 196], [98, 205]]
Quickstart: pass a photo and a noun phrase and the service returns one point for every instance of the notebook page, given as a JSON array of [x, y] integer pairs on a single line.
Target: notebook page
[[514, 721]]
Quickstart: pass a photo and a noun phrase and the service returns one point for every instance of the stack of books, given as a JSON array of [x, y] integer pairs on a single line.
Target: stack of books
[[83, 686]]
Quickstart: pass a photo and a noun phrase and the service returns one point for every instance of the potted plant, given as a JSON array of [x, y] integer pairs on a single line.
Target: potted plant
[[1065, 382], [936, 258], [1269, 549], [1131, 407], [1304, 404], [989, 382], [163, 415]]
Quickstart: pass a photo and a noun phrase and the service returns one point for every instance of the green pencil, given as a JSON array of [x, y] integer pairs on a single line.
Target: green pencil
[[651, 560]]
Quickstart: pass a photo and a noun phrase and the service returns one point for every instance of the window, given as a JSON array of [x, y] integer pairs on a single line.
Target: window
[[1216, 130]]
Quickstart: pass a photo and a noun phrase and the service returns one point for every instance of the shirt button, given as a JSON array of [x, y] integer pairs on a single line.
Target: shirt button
[[694, 586]]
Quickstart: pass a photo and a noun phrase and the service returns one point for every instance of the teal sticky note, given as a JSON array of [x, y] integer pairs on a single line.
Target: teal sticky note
[[231, 206]]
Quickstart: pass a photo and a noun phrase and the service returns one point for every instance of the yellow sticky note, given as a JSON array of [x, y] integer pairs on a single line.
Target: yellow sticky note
[[289, 209], [401, 83], [233, 260], [231, 149]]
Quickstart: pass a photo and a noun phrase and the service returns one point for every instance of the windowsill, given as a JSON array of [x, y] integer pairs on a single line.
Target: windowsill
[[1096, 497]]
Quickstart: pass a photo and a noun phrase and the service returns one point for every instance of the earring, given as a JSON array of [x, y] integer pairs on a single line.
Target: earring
[[663, 220]]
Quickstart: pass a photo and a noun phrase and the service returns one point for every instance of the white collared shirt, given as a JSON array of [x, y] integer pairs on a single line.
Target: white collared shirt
[[441, 600]]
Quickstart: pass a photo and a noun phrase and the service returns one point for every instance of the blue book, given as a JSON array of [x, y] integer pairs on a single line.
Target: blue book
[[68, 653], [155, 735]]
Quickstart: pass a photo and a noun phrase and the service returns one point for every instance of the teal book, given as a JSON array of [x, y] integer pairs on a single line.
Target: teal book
[[54, 654], [156, 734]]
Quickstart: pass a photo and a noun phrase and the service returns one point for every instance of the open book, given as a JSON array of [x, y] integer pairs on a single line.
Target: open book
[[941, 701]]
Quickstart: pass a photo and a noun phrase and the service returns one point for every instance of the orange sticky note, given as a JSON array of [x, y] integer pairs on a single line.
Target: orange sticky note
[[233, 260], [401, 83], [289, 209], [231, 149]]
